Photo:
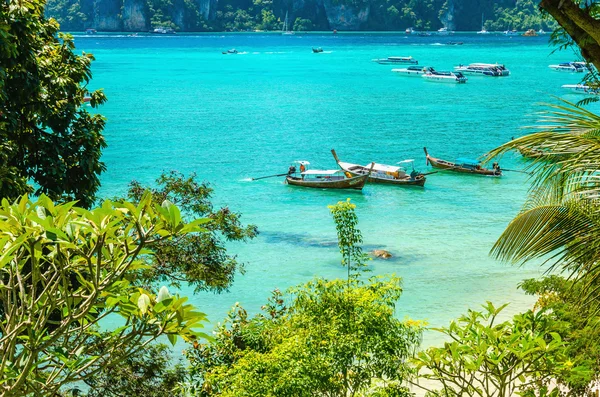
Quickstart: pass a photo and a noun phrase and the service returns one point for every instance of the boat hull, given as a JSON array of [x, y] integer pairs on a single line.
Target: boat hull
[[444, 79], [448, 166], [355, 183], [389, 181]]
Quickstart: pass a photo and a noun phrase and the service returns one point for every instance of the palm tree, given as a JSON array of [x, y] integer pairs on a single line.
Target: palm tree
[[560, 221]]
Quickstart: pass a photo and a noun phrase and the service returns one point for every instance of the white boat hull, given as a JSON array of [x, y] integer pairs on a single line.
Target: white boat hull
[[409, 73], [581, 89], [444, 79], [567, 69]]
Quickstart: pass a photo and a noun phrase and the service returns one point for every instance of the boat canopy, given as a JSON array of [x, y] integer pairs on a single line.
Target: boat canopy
[[320, 172], [382, 167], [466, 161]]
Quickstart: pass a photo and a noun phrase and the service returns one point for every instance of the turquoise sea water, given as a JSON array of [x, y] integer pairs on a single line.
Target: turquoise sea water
[[177, 103]]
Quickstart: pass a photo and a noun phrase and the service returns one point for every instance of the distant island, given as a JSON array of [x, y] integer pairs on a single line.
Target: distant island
[[303, 15]]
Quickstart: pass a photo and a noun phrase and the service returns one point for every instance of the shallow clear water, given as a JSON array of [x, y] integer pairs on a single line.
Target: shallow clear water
[[177, 103]]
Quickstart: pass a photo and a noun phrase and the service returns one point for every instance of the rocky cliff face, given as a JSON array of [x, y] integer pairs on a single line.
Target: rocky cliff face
[[107, 15], [135, 17], [344, 17], [447, 18]]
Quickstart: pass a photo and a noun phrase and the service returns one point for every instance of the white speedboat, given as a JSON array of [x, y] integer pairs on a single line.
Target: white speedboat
[[394, 60], [443, 31], [413, 71], [572, 67], [483, 69], [581, 89], [445, 77], [511, 33], [541, 31]]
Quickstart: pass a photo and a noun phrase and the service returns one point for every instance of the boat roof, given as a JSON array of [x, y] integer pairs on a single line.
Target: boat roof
[[382, 167], [464, 160], [320, 172], [399, 57]]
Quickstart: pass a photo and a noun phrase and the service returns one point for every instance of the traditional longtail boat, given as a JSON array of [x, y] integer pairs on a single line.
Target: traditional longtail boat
[[382, 173], [463, 165], [326, 179]]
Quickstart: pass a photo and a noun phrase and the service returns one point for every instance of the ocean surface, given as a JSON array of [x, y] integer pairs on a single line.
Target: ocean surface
[[178, 103]]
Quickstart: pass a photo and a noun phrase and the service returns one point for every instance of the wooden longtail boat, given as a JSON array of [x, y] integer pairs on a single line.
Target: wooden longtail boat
[[382, 173], [463, 165], [327, 179]]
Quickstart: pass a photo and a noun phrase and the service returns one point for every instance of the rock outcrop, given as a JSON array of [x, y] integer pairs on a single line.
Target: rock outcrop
[[135, 16], [381, 254], [344, 17]]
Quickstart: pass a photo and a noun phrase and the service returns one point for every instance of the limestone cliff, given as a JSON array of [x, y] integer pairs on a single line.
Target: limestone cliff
[[135, 16], [344, 17], [107, 15]]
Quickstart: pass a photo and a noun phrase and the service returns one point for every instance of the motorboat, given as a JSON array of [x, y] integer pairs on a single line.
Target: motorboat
[[541, 31], [413, 70], [581, 89], [571, 67], [163, 31], [394, 60], [478, 70], [317, 50], [383, 173], [443, 31], [445, 77], [232, 51], [455, 43], [511, 33], [409, 31], [326, 179], [463, 165], [502, 69], [91, 31]]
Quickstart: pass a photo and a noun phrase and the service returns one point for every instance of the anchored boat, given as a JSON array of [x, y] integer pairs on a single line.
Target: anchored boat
[[581, 89], [463, 165], [394, 60], [571, 67], [483, 69], [413, 70], [382, 173], [445, 77], [325, 179]]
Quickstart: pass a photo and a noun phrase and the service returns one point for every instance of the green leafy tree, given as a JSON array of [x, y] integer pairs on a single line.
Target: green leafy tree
[[488, 358], [63, 270], [149, 373], [577, 325], [303, 25], [308, 347], [198, 259], [49, 142]]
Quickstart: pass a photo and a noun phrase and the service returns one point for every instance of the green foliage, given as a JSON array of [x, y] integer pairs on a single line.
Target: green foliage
[[577, 324], [303, 25], [63, 270], [246, 15], [199, 259], [349, 237], [149, 373], [333, 338], [485, 357], [50, 143], [560, 220], [310, 348]]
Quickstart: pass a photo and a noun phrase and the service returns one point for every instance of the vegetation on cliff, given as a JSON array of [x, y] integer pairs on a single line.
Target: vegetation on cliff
[[248, 15]]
